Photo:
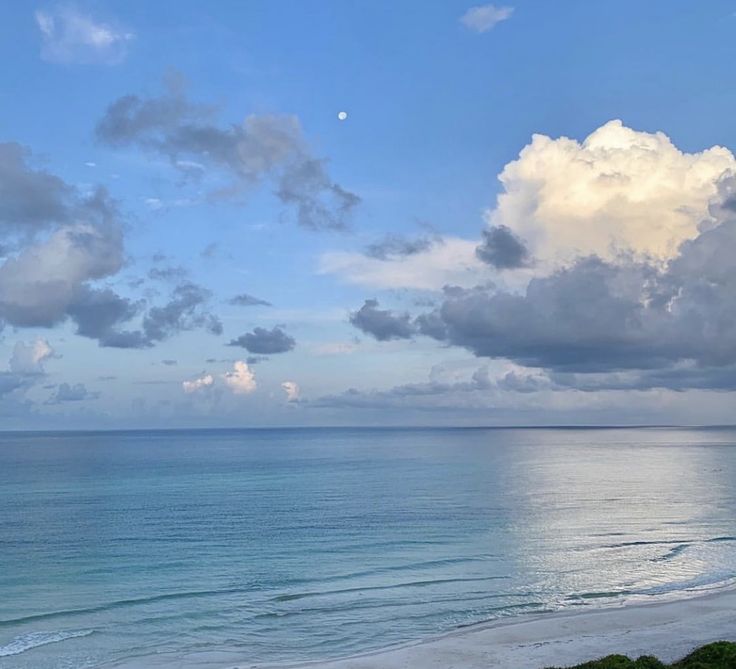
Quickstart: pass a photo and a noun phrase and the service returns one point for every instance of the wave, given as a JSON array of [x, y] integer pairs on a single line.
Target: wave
[[411, 584], [672, 553], [398, 604], [606, 594], [704, 583], [627, 544], [122, 603], [24, 642]]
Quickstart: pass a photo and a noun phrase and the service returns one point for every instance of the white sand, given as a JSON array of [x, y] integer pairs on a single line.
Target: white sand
[[669, 630]]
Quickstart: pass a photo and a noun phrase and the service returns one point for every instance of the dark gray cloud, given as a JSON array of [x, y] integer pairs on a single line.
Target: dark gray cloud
[[265, 342], [590, 316], [254, 359], [102, 315], [676, 324], [10, 382], [30, 198], [158, 123], [678, 378], [246, 300], [262, 147], [393, 246], [318, 201], [593, 316], [184, 311], [172, 273], [40, 282], [383, 324], [502, 249], [99, 313], [596, 324], [71, 393]]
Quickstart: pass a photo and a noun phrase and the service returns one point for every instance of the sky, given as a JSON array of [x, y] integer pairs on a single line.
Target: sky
[[367, 213]]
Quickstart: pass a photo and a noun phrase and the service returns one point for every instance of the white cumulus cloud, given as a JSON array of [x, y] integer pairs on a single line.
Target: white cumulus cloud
[[292, 391], [200, 383], [242, 380], [619, 189], [29, 358]]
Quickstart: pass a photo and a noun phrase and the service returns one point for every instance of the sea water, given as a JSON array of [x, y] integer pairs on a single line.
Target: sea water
[[267, 547]]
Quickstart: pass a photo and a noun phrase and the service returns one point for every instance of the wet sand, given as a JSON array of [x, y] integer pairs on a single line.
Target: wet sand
[[669, 630]]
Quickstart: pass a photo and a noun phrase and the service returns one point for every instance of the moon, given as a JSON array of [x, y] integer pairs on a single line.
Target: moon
[[342, 115]]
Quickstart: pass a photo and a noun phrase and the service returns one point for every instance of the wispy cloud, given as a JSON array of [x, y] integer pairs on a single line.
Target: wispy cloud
[[70, 37], [482, 18], [262, 147]]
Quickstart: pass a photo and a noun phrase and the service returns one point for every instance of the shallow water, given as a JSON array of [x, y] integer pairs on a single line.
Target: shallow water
[[207, 548]]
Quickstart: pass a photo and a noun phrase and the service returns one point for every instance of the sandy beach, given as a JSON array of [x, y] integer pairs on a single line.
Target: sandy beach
[[669, 630]]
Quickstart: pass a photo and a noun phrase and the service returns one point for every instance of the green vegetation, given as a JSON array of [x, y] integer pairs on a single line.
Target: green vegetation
[[718, 655]]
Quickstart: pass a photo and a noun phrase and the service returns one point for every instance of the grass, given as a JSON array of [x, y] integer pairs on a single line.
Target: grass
[[718, 655]]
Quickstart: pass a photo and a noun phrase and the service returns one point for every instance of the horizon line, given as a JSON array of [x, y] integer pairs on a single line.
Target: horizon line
[[631, 426]]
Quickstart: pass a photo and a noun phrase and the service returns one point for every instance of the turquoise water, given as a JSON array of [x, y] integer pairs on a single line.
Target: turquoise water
[[262, 547]]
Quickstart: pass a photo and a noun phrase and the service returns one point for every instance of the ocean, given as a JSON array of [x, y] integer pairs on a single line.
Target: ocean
[[271, 547]]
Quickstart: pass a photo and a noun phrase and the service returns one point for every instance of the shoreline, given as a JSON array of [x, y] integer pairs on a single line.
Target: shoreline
[[669, 629]]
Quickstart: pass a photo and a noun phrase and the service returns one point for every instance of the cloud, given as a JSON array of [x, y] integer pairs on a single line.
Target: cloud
[[262, 147], [28, 359], [26, 367], [210, 251], [592, 315], [241, 380], [482, 18], [629, 321], [30, 199], [245, 300], [330, 348], [205, 381], [318, 201], [265, 342], [382, 324], [502, 249], [448, 260], [633, 285], [40, 282], [600, 316], [410, 394], [292, 391], [99, 314], [69, 36], [619, 189], [399, 246], [177, 273], [71, 393], [61, 242], [184, 311], [102, 315], [10, 382]]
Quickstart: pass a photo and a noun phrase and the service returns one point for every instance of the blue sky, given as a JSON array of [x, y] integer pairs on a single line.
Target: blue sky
[[363, 324]]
